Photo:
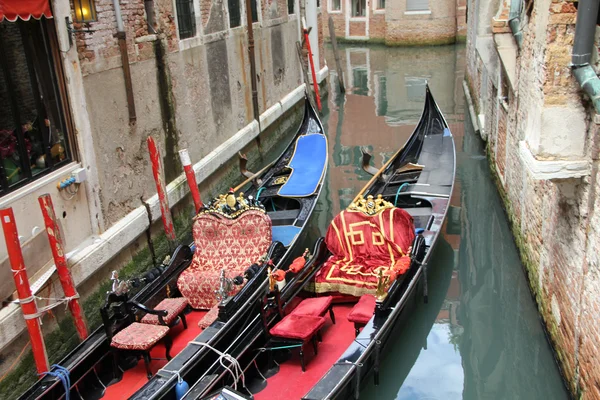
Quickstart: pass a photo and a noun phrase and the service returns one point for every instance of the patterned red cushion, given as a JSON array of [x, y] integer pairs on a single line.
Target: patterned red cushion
[[363, 310], [316, 306], [139, 336], [174, 307], [300, 327], [209, 317], [223, 243]]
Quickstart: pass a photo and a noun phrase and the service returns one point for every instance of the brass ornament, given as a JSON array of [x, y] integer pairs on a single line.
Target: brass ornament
[[228, 206], [279, 181], [370, 206], [382, 286]]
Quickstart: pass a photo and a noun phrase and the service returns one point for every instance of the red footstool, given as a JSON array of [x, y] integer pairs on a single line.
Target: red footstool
[[296, 330], [316, 307], [175, 308], [362, 312]]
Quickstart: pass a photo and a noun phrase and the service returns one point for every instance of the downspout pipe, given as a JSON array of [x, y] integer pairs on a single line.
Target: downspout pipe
[[121, 36], [514, 21], [583, 43]]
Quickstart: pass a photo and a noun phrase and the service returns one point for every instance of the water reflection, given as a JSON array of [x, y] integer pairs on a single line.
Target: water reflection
[[480, 336]]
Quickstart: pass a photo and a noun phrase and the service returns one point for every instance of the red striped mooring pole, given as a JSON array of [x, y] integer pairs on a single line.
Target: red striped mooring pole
[[60, 261], [26, 299], [312, 64], [157, 171], [191, 178]]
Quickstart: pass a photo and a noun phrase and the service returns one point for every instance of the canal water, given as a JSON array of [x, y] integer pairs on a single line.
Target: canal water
[[479, 337]]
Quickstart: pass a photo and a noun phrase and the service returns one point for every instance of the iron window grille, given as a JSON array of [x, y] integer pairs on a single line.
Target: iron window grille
[[234, 13], [359, 8], [33, 128], [186, 20]]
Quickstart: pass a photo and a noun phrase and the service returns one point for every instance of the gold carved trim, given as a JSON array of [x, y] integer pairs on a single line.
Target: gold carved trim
[[370, 206], [231, 207]]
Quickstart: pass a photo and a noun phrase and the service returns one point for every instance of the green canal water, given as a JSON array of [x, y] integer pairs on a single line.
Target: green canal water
[[479, 337]]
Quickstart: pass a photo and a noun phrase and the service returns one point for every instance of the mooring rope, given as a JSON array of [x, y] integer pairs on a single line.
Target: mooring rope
[[63, 375]]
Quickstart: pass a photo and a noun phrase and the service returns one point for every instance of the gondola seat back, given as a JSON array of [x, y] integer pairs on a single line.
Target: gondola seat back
[[229, 238], [370, 236]]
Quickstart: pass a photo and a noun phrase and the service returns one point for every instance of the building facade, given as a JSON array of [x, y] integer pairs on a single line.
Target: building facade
[[84, 83], [397, 23], [532, 79]]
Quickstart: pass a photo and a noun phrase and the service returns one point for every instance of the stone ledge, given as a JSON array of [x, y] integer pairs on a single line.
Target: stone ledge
[[552, 169]]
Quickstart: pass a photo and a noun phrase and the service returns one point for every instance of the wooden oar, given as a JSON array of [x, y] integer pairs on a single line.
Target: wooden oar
[[375, 176], [238, 187]]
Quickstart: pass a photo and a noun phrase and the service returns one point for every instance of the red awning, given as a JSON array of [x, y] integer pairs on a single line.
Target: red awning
[[24, 9]]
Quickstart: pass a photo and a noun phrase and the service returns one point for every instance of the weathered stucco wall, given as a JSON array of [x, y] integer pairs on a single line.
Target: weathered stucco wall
[[545, 120], [193, 95]]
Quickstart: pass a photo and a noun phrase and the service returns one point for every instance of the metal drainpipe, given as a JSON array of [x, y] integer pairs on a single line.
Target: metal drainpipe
[[255, 108], [125, 61], [514, 21], [583, 43]]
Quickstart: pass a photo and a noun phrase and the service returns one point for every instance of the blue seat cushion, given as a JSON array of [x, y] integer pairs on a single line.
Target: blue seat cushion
[[285, 234], [308, 165]]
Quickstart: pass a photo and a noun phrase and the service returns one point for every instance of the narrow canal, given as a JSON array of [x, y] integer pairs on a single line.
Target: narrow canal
[[480, 336]]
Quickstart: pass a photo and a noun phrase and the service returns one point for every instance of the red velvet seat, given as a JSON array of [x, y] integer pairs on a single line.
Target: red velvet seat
[[301, 327], [362, 311], [315, 306], [174, 307], [139, 336]]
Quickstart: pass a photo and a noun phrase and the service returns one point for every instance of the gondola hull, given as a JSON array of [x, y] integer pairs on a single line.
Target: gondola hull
[[418, 178], [89, 364]]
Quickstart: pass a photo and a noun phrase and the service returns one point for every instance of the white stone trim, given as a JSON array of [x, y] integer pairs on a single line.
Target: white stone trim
[[86, 261], [552, 169], [322, 74], [330, 10], [424, 12], [62, 172]]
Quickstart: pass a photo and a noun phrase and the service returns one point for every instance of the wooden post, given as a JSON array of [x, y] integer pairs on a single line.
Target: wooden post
[[312, 65], [336, 55], [191, 178], [165, 210], [60, 261], [28, 306]]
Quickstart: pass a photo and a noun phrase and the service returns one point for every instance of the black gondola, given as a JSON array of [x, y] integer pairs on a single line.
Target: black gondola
[[287, 190], [418, 179]]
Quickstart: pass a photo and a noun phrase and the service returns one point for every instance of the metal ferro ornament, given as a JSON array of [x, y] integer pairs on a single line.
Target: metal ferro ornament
[[382, 286], [225, 287]]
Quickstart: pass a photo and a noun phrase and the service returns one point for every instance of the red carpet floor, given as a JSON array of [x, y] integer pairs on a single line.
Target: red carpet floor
[[291, 383], [135, 378]]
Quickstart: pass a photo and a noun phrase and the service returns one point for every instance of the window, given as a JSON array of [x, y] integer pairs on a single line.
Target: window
[[33, 135], [186, 20], [358, 8], [380, 4], [291, 6], [254, 10], [234, 13], [417, 5], [335, 5]]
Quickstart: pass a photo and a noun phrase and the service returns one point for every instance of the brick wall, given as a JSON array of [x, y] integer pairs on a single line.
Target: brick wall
[[554, 222], [444, 24]]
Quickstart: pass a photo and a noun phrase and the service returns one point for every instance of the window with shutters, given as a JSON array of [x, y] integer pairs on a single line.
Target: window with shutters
[[186, 20], [417, 5], [234, 13]]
